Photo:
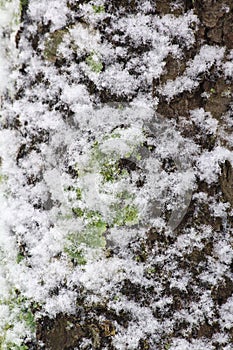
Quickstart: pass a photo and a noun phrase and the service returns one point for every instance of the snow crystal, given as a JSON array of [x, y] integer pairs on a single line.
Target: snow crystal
[[209, 163], [55, 12], [204, 119]]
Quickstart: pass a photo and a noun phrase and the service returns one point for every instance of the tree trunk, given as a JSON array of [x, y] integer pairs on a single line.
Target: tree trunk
[[121, 128]]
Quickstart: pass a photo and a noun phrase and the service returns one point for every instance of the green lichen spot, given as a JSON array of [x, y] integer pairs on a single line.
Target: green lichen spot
[[110, 171], [126, 216], [98, 9], [94, 63], [27, 316], [19, 258], [75, 253], [78, 193], [78, 212], [167, 346], [20, 309], [103, 196], [92, 237]]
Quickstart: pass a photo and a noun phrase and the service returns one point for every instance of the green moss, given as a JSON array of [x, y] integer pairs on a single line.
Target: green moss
[[151, 271], [75, 253], [92, 216], [21, 304], [138, 156], [94, 63], [128, 215], [91, 237], [23, 7], [97, 227], [78, 212], [78, 193], [110, 171], [28, 317], [107, 165], [19, 258], [167, 346], [98, 9], [20, 309], [25, 314]]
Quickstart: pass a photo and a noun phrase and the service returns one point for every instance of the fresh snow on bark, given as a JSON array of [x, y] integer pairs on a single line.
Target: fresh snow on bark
[[97, 187]]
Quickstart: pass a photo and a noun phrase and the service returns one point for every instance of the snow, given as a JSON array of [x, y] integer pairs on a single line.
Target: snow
[[205, 120], [202, 62], [54, 12], [9, 18], [226, 314], [193, 345], [209, 163]]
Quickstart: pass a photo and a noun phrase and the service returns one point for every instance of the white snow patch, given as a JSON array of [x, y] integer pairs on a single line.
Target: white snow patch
[[208, 163], [204, 120], [226, 313]]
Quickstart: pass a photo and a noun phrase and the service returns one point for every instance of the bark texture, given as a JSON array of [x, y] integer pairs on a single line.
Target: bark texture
[[97, 323]]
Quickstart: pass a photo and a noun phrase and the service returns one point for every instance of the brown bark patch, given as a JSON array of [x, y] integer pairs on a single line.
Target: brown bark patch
[[226, 181], [61, 333]]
